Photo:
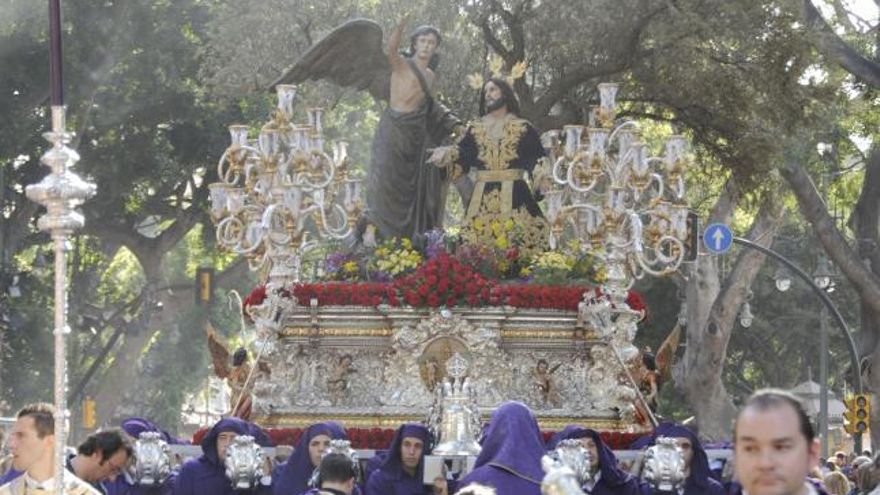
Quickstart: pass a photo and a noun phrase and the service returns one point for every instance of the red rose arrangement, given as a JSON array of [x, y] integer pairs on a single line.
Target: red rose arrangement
[[444, 281]]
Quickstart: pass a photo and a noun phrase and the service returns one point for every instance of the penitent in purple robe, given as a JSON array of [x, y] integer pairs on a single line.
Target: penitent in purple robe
[[390, 478], [700, 481], [613, 480], [292, 477], [207, 474], [510, 460]]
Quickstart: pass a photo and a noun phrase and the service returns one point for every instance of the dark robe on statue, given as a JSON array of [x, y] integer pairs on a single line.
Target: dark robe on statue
[[700, 481], [406, 196], [206, 475], [612, 480], [390, 478], [292, 477], [503, 166], [510, 460]]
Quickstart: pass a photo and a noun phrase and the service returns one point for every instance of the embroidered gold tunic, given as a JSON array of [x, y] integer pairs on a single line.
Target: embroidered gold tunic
[[502, 152], [72, 486]]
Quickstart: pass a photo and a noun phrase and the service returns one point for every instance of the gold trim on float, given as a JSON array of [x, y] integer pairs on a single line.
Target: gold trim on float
[[334, 332], [506, 333], [375, 421]]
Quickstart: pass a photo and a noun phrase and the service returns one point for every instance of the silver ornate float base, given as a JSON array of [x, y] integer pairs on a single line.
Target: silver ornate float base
[[378, 366]]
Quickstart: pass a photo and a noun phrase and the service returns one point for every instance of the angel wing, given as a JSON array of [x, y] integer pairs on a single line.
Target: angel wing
[[666, 353], [219, 351], [350, 56]]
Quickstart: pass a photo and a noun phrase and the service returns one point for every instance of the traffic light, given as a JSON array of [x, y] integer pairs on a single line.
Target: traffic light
[[204, 285], [858, 413], [692, 243], [90, 415]]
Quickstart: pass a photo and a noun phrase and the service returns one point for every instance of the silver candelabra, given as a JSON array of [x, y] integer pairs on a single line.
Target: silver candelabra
[[279, 194]]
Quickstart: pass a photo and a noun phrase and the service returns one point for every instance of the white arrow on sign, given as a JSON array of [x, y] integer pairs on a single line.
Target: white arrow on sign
[[718, 237]]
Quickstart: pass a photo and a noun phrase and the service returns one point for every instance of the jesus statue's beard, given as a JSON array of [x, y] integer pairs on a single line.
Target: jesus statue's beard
[[496, 104]]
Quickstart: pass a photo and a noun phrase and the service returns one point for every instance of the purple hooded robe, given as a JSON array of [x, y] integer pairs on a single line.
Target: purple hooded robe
[[390, 478], [292, 477], [510, 460], [613, 481], [207, 474]]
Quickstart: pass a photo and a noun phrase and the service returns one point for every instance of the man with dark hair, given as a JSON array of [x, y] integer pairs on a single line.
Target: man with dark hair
[[32, 444], [101, 457], [402, 470], [503, 150], [125, 484], [336, 476], [774, 445]]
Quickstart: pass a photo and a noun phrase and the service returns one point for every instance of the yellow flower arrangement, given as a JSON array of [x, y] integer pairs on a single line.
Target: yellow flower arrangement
[[397, 256], [553, 260]]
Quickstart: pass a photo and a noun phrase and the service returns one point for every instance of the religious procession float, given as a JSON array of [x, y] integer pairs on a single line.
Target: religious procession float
[[444, 325]]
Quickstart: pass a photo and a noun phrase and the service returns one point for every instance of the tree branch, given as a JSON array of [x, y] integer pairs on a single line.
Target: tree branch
[[833, 47], [843, 16], [844, 257]]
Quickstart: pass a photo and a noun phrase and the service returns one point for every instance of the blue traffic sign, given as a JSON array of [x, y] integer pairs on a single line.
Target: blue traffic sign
[[717, 238]]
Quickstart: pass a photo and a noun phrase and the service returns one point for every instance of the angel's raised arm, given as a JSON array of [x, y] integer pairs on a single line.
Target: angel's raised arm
[[394, 57]]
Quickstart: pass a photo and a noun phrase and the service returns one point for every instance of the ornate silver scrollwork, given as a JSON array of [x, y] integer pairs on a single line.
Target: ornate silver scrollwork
[[455, 417], [664, 465], [152, 459], [244, 462], [559, 478], [573, 454]]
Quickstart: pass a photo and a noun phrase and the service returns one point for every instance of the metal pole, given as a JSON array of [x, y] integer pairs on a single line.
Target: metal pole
[[823, 379], [832, 309]]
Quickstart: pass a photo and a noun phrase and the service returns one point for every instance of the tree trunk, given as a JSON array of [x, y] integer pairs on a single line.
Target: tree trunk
[[712, 309]]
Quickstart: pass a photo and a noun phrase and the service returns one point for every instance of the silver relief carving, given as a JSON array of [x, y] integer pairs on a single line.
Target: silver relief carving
[[244, 462], [152, 464], [664, 465]]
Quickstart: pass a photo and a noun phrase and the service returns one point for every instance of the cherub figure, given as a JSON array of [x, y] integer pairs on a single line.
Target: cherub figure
[[542, 378], [432, 373]]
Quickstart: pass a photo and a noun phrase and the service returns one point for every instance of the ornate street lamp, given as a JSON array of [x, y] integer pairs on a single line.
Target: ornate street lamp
[[782, 279], [823, 275]]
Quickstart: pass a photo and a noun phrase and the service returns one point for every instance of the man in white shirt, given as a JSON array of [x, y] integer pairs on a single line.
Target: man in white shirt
[[32, 444], [774, 445]]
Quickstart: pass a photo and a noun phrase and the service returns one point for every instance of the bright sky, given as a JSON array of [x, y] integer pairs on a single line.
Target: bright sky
[[866, 10]]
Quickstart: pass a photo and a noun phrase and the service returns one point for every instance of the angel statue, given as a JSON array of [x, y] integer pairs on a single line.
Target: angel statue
[[239, 376], [404, 196]]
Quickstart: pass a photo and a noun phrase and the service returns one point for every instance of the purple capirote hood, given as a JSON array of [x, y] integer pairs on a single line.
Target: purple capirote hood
[[699, 463], [135, 426], [394, 462], [513, 442], [293, 476], [209, 443]]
